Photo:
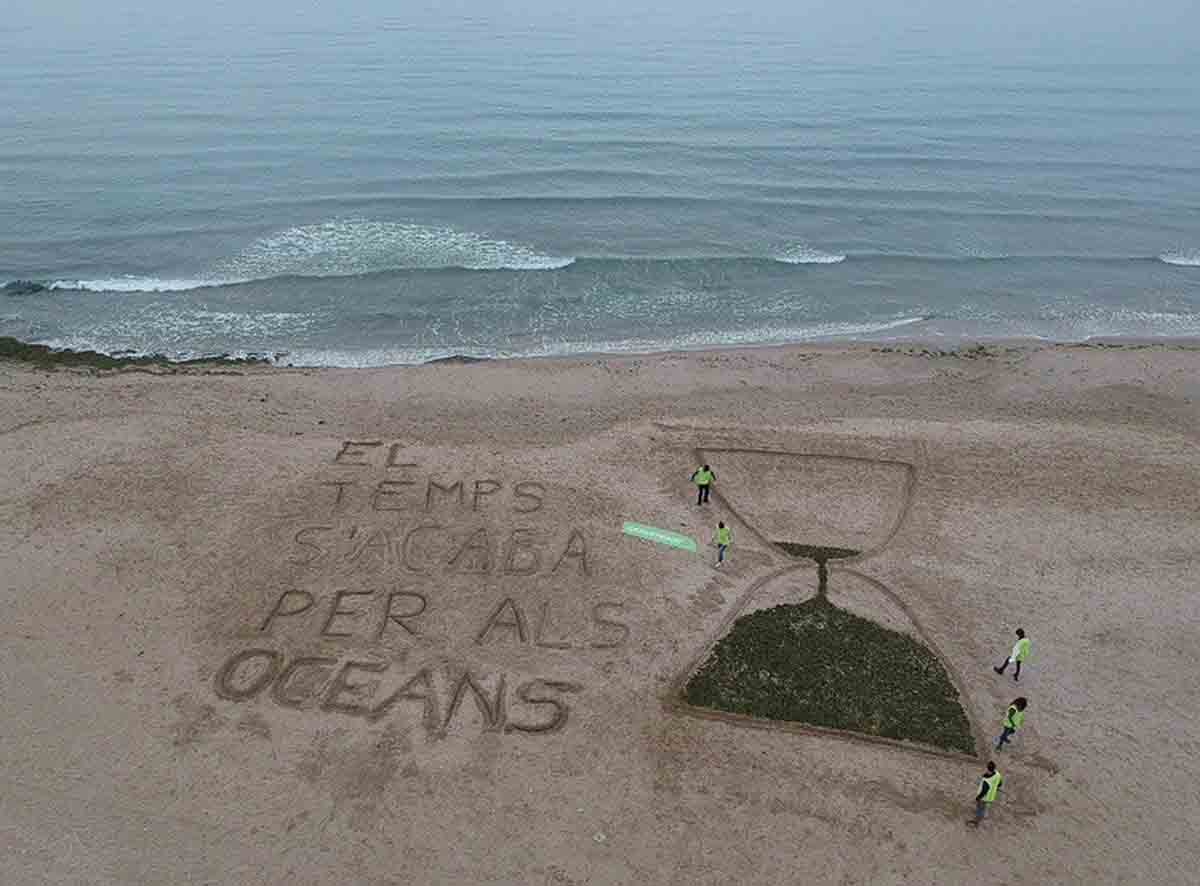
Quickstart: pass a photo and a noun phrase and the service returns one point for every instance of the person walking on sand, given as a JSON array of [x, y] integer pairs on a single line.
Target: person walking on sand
[[1013, 720], [722, 538], [703, 478], [1020, 652], [989, 787]]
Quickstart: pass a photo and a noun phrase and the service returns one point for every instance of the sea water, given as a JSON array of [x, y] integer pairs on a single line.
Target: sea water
[[379, 183]]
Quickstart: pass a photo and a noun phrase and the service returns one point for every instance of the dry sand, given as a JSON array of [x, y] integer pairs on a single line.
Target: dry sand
[[473, 684]]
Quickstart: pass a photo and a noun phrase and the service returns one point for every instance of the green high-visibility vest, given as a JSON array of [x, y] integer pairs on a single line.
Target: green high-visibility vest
[[724, 536], [703, 477], [1022, 648], [993, 782], [1015, 717]]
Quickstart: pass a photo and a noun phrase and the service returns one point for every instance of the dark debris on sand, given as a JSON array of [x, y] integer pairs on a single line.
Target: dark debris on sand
[[44, 357], [814, 663]]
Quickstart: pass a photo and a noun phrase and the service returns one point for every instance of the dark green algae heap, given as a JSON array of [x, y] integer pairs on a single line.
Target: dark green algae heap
[[44, 357], [816, 664]]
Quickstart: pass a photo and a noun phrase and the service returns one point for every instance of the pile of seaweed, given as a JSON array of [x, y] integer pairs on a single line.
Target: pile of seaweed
[[45, 357], [814, 663]]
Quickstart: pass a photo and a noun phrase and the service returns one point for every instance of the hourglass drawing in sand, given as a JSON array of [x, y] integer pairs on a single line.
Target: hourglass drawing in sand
[[818, 644]]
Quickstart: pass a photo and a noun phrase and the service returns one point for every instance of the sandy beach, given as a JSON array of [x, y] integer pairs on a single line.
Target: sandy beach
[[268, 625]]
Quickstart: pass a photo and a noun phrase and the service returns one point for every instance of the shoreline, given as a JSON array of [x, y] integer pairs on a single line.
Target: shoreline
[[17, 351]]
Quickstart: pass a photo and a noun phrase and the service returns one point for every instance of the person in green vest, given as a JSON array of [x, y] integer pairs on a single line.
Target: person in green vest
[[989, 788], [1014, 718], [723, 538], [1020, 652], [703, 478]]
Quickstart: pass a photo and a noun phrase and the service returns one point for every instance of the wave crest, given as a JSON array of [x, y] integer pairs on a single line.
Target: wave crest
[[800, 254], [344, 249], [353, 247], [140, 284], [1185, 258]]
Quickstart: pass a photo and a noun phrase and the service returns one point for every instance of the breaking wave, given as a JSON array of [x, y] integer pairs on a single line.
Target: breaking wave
[[1187, 259], [806, 255], [350, 248], [363, 248], [139, 284], [163, 330], [344, 249]]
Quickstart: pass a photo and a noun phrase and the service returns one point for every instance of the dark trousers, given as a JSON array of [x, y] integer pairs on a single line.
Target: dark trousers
[[1003, 667], [1008, 730], [702, 494]]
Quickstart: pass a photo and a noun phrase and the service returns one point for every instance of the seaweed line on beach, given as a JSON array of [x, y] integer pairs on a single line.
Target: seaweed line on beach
[[45, 357]]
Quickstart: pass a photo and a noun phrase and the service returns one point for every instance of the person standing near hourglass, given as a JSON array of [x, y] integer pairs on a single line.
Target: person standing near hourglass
[[723, 538], [1020, 652], [703, 478], [1014, 719], [989, 788]]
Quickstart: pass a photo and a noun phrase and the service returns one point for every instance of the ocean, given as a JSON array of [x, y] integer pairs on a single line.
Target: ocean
[[381, 184]]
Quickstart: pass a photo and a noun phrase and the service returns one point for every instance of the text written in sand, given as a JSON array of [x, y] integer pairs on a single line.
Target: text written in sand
[[407, 581]]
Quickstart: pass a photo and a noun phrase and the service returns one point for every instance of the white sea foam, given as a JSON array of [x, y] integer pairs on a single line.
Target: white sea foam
[[87, 343], [970, 249], [368, 357], [1131, 323], [140, 284], [800, 254], [1189, 258], [160, 329], [343, 357], [357, 246], [344, 249], [222, 324]]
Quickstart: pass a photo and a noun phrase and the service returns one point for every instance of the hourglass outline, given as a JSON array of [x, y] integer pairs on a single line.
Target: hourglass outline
[[820, 555]]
